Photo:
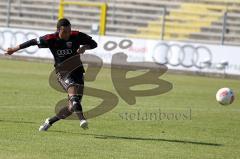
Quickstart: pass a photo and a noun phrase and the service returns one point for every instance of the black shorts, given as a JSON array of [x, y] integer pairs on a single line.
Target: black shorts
[[75, 78]]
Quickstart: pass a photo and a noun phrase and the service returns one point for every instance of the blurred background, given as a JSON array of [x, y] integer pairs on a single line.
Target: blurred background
[[187, 35], [207, 21]]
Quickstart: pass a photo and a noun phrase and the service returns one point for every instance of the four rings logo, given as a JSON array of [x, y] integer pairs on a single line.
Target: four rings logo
[[62, 53], [182, 55], [172, 54], [9, 38]]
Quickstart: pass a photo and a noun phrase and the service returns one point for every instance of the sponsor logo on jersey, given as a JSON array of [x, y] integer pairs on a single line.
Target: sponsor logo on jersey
[[62, 53]]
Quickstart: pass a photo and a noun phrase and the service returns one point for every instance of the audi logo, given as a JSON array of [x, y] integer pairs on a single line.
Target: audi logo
[[62, 53], [10, 38], [182, 55]]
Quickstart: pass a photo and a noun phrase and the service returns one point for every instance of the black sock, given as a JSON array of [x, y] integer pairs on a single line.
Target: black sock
[[63, 113], [53, 120]]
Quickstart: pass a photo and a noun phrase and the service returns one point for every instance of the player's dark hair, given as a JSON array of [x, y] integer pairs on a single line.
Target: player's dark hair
[[63, 22]]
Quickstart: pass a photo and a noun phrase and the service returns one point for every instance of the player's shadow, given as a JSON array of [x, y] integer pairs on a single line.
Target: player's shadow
[[156, 139], [143, 139], [15, 121]]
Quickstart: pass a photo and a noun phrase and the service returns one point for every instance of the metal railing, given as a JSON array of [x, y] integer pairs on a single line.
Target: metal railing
[[224, 27]]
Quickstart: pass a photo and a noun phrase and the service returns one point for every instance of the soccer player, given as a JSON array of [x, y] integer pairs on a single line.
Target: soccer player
[[64, 44]]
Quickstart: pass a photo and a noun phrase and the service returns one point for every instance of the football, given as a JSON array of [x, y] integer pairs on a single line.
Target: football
[[225, 96]]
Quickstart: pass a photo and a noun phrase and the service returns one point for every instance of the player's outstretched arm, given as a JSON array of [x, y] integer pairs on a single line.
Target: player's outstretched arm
[[10, 51], [24, 45]]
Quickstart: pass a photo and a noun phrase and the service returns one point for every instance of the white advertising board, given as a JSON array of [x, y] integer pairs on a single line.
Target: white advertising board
[[176, 55]]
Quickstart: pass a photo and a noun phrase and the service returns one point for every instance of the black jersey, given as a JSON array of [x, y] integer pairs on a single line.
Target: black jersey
[[62, 49]]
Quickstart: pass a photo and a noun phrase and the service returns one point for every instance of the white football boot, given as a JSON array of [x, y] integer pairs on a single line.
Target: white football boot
[[45, 126], [84, 124]]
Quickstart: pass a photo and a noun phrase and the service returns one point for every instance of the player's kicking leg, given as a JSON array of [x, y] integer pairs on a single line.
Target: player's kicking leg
[[74, 106], [75, 92], [62, 114]]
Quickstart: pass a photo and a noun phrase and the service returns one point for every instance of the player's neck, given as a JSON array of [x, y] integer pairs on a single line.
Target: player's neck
[[63, 37]]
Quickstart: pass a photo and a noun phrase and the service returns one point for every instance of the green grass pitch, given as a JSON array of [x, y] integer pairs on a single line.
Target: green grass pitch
[[205, 130]]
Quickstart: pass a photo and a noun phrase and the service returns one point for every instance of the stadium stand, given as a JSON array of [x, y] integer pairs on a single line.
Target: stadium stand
[[185, 20]]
